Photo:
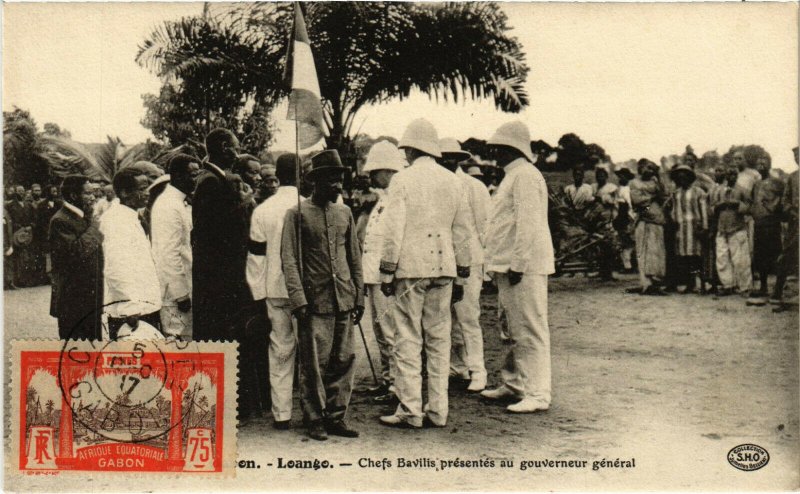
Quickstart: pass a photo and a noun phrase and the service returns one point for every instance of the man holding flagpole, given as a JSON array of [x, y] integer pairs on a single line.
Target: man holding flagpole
[[321, 260], [326, 295]]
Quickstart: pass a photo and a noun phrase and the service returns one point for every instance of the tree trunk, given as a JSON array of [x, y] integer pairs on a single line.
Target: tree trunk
[[339, 141]]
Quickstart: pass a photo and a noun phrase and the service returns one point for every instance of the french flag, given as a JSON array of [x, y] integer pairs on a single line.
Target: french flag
[[305, 106]]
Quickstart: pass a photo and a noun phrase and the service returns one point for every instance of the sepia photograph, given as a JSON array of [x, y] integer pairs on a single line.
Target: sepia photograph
[[400, 246]]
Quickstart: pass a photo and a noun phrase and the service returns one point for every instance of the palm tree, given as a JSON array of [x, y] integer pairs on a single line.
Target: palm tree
[[96, 161], [21, 162], [49, 407], [365, 53]]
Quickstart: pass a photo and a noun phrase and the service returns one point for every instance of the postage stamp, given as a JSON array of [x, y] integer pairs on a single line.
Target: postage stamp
[[122, 406]]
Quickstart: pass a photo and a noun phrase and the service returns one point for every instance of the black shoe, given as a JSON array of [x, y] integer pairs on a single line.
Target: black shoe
[[723, 292], [282, 425], [428, 424], [317, 432], [388, 399], [379, 390], [654, 290], [339, 428]]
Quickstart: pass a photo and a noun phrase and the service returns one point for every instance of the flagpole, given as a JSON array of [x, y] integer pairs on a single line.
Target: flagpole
[[297, 184]]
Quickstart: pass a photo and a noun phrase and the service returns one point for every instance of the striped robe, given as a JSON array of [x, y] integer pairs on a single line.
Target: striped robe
[[690, 214]]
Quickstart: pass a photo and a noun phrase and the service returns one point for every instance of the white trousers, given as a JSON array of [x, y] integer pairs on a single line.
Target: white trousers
[[383, 327], [282, 351], [733, 260], [467, 336], [422, 317], [627, 255], [174, 322], [526, 369]]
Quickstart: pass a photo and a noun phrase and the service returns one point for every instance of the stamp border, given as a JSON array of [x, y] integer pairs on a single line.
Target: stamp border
[[16, 478]]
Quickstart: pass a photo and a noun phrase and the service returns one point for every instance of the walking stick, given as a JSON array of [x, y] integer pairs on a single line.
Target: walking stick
[[369, 357]]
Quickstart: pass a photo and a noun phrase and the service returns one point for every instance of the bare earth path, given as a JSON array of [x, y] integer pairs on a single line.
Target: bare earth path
[[674, 382]]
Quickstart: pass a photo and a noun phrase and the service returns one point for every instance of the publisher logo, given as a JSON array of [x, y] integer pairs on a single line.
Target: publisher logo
[[748, 457]]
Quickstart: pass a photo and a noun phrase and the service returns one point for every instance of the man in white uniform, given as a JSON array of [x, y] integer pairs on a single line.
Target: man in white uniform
[[426, 246], [133, 292], [519, 253], [383, 161], [466, 356], [170, 231], [266, 281]]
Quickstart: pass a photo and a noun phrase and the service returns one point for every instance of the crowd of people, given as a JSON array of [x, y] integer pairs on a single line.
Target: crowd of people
[[225, 248], [699, 233]]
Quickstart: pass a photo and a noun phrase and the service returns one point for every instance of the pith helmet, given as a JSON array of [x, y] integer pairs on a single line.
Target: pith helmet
[[450, 146], [420, 134], [515, 135], [384, 155]]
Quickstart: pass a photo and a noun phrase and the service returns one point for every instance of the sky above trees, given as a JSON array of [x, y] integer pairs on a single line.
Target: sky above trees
[[641, 80]]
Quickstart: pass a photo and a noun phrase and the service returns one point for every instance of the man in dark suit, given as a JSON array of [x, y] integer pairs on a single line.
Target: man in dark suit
[[77, 257], [44, 211], [219, 242], [22, 218], [221, 299]]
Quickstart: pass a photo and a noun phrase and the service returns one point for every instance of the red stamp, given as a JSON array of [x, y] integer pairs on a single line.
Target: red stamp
[[124, 406]]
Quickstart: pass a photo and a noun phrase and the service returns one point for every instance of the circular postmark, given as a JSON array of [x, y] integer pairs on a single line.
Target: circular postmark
[[122, 391], [137, 366], [748, 457]]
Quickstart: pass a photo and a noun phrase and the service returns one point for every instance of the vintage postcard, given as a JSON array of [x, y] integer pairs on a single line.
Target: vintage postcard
[[400, 246]]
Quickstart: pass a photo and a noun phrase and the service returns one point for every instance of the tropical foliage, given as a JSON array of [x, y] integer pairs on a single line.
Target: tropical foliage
[[573, 151], [33, 156], [96, 161], [213, 76], [579, 234], [22, 163], [365, 53]]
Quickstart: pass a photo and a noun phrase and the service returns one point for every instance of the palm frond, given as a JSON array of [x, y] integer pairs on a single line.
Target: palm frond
[[65, 156]]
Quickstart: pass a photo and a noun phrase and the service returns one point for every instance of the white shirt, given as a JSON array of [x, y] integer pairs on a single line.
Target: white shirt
[[265, 273], [624, 195], [480, 203], [373, 241], [519, 234], [579, 195], [74, 209], [170, 232], [129, 270], [102, 205]]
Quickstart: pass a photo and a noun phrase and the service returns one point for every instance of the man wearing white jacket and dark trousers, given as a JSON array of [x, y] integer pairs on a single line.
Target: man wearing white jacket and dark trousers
[[265, 277], [466, 355], [426, 247], [519, 254]]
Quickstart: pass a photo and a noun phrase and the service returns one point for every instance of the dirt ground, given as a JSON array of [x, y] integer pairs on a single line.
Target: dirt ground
[[673, 382]]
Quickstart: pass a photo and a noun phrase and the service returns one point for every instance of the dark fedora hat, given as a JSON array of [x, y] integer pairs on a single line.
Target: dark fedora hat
[[325, 161]]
